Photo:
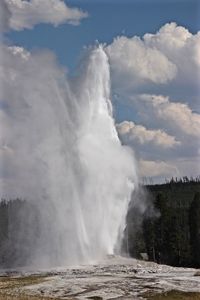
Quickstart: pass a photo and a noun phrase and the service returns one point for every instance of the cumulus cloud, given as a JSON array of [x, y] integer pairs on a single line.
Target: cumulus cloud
[[176, 117], [157, 78], [154, 148], [138, 134], [177, 43], [22, 14], [162, 169], [183, 49], [167, 62], [170, 131], [139, 63]]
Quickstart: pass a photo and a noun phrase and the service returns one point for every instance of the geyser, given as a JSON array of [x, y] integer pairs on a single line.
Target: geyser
[[63, 155]]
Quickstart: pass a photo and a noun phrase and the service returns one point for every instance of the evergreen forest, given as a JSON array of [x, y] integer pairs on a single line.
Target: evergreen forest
[[167, 229]]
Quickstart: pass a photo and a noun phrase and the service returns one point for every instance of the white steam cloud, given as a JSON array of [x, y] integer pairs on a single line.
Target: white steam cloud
[[59, 149]]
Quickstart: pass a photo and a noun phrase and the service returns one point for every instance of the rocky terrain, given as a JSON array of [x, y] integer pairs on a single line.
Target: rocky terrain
[[114, 278]]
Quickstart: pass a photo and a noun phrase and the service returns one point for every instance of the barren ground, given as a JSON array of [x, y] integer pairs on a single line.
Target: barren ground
[[115, 278]]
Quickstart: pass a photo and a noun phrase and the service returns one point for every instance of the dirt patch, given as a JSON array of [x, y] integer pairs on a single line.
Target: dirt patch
[[95, 298], [172, 295], [21, 297], [8, 285], [13, 282]]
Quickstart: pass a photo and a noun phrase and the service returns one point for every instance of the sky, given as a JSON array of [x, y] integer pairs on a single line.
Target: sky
[[153, 49], [106, 20]]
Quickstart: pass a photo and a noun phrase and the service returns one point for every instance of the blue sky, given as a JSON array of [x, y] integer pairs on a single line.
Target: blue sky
[[153, 49], [108, 19]]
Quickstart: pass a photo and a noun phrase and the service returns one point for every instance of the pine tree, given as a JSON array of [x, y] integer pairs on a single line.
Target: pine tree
[[194, 223]]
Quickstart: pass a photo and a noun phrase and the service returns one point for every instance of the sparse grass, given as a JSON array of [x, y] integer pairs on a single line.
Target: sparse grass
[[172, 295], [20, 297], [9, 284], [14, 282]]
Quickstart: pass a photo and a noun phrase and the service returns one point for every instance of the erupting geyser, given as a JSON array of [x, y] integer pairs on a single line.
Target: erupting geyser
[[67, 162]]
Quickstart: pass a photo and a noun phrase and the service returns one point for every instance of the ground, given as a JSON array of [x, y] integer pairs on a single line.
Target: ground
[[115, 278]]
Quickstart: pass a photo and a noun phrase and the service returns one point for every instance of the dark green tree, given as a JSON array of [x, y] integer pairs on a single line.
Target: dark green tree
[[194, 223], [150, 238]]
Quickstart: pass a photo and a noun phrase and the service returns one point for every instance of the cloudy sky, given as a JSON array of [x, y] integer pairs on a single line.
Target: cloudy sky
[[153, 49]]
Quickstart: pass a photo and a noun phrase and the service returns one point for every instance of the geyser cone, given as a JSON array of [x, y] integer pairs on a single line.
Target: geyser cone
[[82, 177]]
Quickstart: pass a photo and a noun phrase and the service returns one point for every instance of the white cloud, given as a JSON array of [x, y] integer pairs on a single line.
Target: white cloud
[[174, 134], [176, 117], [138, 134], [157, 169], [130, 57], [189, 166], [154, 148], [26, 14], [169, 35], [167, 62], [183, 49], [161, 169], [177, 43], [157, 78]]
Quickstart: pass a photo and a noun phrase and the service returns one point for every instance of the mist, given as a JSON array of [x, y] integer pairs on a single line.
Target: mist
[[59, 150]]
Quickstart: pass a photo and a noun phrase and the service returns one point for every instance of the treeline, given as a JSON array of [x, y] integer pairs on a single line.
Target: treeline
[[163, 225], [185, 179], [168, 230]]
